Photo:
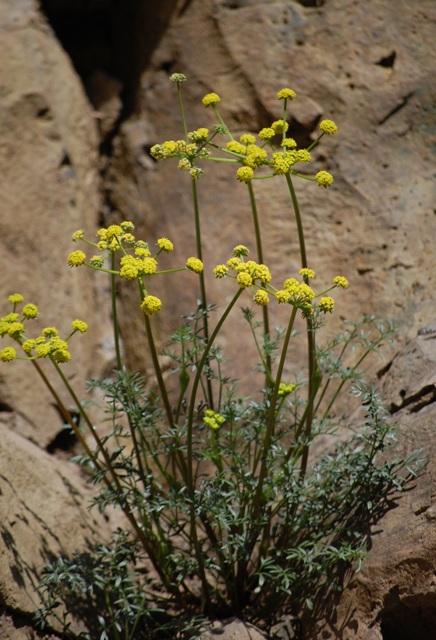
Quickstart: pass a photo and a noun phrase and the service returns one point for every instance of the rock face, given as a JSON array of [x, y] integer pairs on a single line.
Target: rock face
[[44, 514], [68, 162], [394, 595], [50, 187], [366, 68]]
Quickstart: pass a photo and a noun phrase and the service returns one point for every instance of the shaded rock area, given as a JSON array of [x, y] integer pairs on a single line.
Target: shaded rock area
[[394, 595], [84, 94], [44, 514]]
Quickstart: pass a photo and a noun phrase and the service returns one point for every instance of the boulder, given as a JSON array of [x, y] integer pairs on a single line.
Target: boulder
[[44, 513]]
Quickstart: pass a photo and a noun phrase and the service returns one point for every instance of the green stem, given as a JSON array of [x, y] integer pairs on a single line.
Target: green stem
[[257, 501], [182, 109], [158, 371], [115, 314], [217, 113], [202, 284], [189, 453], [311, 347], [115, 485], [259, 249]]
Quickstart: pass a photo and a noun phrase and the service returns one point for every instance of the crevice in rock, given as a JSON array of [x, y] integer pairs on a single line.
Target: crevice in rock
[[387, 61], [311, 3], [412, 618], [65, 439], [110, 37], [402, 103], [417, 401]]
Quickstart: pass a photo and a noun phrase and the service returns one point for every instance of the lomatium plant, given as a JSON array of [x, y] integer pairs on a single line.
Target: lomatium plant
[[228, 511]]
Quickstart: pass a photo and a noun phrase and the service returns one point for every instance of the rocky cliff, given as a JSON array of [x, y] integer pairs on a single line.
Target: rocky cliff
[[84, 95]]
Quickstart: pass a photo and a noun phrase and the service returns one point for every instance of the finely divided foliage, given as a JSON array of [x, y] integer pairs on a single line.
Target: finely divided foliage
[[229, 511]]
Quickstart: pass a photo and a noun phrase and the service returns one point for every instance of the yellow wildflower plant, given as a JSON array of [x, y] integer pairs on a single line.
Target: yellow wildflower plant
[[15, 329], [244, 280], [279, 125], [288, 143], [236, 147], [232, 263], [240, 250], [78, 235], [247, 138], [184, 164], [256, 156], [303, 156], [127, 226], [286, 389], [282, 296], [199, 135], [266, 133]]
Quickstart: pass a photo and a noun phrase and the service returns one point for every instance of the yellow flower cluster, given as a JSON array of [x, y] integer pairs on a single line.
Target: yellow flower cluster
[[236, 147], [47, 344], [199, 135], [151, 305], [324, 178], [286, 94], [326, 304], [340, 281], [328, 127], [286, 389], [212, 419], [136, 261], [283, 161], [187, 152], [245, 174], [211, 98], [250, 274], [245, 151], [256, 156], [195, 265]]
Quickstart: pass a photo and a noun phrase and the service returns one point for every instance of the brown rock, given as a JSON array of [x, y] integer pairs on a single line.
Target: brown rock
[[232, 629], [43, 513], [48, 163], [363, 66], [394, 595]]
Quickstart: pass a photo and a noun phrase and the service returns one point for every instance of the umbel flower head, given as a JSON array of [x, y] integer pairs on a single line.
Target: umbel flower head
[[211, 98], [324, 179], [151, 305], [213, 420], [47, 344]]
